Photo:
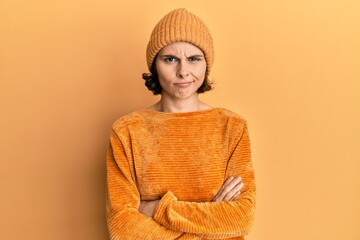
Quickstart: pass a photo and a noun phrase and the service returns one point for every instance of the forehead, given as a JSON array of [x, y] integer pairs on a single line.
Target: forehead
[[181, 48]]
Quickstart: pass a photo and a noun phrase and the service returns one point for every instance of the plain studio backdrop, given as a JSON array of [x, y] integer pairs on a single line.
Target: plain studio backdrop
[[69, 69]]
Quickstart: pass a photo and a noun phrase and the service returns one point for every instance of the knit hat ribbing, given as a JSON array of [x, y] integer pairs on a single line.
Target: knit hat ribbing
[[180, 25]]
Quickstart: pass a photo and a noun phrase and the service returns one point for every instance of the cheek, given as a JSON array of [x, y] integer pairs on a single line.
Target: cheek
[[162, 83], [202, 67], [164, 78], [201, 72], [163, 72]]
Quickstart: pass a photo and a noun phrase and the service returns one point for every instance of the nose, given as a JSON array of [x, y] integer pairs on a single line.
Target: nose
[[182, 70]]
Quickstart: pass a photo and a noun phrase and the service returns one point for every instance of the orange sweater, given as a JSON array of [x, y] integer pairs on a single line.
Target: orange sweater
[[182, 159]]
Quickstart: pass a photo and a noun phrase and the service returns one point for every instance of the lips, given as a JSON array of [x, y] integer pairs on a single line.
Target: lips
[[183, 84]]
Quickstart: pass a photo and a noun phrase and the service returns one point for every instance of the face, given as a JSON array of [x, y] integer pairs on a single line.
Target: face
[[181, 69]]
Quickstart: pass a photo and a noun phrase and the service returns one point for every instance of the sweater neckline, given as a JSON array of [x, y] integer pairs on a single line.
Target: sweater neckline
[[181, 114]]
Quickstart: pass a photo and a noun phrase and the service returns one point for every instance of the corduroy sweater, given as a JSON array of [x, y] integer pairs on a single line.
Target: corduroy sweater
[[182, 159]]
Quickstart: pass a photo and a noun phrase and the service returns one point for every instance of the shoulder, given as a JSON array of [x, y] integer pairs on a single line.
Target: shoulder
[[236, 126], [232, 117], [129, 120]]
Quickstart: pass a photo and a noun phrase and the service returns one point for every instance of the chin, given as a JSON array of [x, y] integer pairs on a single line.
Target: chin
[[184, 94]]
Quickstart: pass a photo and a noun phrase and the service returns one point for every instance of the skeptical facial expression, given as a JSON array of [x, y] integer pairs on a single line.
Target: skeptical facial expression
[[181, 69]]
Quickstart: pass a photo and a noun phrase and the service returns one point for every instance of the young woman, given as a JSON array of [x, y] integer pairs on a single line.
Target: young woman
[[180, 169]]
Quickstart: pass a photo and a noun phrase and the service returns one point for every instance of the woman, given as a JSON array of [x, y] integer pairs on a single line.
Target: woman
[[180, 169]]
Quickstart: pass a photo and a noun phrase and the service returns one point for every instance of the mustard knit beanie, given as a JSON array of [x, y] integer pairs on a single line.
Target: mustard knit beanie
[[180, 25]]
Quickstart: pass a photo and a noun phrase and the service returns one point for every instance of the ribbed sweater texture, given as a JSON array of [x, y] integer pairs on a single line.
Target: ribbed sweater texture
[[182, 159]]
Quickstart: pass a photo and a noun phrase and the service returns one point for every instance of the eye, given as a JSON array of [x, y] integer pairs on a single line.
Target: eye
[[170, 59], [194, 59]]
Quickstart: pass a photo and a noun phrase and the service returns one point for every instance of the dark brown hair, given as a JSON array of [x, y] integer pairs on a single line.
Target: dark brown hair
[[153, 84]]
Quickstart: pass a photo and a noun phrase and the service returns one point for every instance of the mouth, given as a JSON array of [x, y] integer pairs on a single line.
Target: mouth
[[183, 84]]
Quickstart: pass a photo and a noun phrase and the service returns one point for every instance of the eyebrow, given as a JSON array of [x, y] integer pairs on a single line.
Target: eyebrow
[[170, 55]]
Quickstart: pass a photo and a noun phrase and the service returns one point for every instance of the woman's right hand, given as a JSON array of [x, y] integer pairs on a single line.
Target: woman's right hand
[[229, 190]]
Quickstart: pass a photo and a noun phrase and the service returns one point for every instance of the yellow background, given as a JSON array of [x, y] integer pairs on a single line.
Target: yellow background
[[69, 69]]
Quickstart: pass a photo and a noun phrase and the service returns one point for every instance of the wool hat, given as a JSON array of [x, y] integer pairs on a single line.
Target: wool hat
[[180, 25]]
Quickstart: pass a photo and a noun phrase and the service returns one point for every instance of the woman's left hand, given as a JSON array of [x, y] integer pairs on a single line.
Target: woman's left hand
[[148, 207], [229, 190]]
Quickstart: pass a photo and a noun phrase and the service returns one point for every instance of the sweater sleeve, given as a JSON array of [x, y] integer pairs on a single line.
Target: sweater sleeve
[[216, 220], [123, 199]]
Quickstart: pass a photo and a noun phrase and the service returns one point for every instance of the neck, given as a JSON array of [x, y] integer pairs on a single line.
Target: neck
[[166, 104]]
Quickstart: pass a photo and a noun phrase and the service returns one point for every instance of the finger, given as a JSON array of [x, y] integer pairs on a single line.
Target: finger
[[235, 196], [233, 191], [226, 183], [228, 188], [231, 185], [228, 180]]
